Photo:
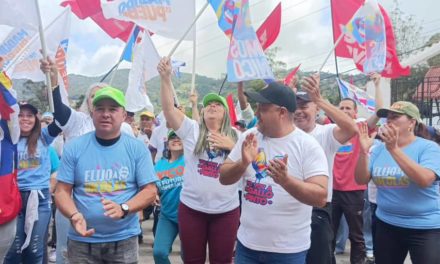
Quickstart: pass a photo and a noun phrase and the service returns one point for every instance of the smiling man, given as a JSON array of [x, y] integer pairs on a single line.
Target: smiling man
[[111, 177]]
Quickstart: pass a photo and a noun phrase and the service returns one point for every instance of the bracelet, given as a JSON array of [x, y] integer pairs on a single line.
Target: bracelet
[[72, 215]]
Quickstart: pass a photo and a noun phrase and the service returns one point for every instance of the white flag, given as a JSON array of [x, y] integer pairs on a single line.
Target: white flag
[[14, 44], [19, 13], [143, 68], [27, 66], [169, 18]]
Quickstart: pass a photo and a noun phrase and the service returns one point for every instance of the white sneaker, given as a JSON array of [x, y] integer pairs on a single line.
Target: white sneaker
[[52, 256]]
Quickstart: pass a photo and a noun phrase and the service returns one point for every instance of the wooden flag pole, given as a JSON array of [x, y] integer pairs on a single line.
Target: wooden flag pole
[[193, 77], [331, 50], [44, 51]]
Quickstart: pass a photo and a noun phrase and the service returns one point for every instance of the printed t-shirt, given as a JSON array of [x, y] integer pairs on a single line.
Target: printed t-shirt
[[169, 185], [202, 190], [34, 170], [400, 201], [272, 220], [114, 172]]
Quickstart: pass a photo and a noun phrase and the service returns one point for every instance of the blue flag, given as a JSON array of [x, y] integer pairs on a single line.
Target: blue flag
[[128, 51]]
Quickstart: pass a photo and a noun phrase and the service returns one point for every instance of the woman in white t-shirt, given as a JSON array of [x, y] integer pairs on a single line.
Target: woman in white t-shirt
[[208, 211]]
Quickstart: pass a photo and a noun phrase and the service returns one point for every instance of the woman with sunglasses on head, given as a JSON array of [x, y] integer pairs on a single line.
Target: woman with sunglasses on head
[[34, 170], [169, 170], [208, 211], [405, 168]]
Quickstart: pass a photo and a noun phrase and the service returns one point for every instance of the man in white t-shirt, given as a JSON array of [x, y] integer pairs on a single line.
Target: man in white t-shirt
[[330, 137], [146, 126], [283, 176]]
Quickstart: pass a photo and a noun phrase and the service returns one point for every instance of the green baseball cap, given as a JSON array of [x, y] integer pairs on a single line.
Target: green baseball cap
[[109, 92], [216, 98], [401, 107], [172, 133]]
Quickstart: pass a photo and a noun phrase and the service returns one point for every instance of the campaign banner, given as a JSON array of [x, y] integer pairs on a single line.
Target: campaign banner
[[14, 44], [168, 18], [226, 12], [246, 58]]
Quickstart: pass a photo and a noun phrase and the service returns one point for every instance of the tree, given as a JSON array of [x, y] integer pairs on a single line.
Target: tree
[[407, 30]]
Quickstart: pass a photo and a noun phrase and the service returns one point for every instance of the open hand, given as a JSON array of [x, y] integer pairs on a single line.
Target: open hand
[[389, 134], [80, 225], [311, 86], [249, 149], [365, 140]]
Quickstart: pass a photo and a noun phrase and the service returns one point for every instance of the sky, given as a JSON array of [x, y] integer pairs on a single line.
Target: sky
[[305, 37]]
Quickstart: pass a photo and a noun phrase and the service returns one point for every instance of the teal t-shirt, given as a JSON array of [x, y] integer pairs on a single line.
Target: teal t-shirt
[[34, 170], [115, 172], [54, 160], [169, 185], [400, 201]]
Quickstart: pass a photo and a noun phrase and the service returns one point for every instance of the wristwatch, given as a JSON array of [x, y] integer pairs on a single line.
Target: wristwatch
[[125, 210]]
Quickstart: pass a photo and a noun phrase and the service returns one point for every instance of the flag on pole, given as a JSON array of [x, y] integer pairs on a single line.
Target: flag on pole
[[169, 18], [352, 46], [143, 68], [270, 29], [92, 8], [292, 74], [226, 12], [246, 58], [19, 14], [14, 44], [360, 96], [232, 113], [27, 66], [128, 51]]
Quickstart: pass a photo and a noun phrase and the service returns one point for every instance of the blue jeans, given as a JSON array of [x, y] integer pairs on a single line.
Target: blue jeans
[[166, 233], [368, 237], [341, 235], [244, 255], [62, 226], [34, 252]]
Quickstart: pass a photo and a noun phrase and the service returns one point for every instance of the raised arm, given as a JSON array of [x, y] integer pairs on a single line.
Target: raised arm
[[173, 116], [373, 119], [362, 171], [193, 98], [246, 110], [346, 127]]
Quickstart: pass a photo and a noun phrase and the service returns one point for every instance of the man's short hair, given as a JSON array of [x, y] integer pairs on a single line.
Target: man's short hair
[[350, 99]]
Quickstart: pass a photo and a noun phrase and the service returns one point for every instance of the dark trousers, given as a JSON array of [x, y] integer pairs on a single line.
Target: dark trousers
[[320, 251], [351, 205], [373, 207], [219, 231], [393, 244]]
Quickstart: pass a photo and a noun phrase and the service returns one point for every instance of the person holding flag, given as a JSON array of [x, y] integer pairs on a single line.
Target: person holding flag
[[208, 211]]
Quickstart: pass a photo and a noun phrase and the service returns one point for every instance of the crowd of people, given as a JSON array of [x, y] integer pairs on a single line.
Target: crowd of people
[[274, 187]]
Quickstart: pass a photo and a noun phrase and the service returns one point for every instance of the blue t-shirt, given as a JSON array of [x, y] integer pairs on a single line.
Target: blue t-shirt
[[34, 171], [115, 172], [400, 201], [54, 160], [169, 185]]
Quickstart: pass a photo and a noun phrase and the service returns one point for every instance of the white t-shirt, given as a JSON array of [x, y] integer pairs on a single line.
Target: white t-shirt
[[158, 139], [271, 219], [202, 190], [80, 123], [325, 137]]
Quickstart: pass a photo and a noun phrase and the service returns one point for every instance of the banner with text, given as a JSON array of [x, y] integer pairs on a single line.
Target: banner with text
[[168, 18], [246, 58]]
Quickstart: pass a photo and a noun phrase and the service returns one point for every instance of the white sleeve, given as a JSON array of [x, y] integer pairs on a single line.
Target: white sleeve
[[75, 125], [314, 160], [331, 142], [247, 114], [126, 128]]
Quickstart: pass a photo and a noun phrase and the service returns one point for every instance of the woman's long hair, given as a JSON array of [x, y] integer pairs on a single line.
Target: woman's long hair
[[34, 136], [422, 131], [226, 130]]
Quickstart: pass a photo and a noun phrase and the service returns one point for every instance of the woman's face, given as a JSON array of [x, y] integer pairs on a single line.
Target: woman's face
[[175, 144], [403, 122], [27, 121], [91, 96], [214, 111]]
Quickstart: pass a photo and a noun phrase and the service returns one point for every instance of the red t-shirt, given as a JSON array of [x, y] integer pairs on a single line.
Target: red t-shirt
[[344, 166]]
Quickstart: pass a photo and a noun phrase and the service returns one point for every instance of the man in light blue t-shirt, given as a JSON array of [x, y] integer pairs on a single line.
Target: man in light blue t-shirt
[[111, 177]]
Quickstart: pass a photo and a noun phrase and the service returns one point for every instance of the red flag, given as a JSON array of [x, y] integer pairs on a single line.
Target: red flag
[[342, 12], [268, 32], [290, 76], [92, 8], [232, 114]]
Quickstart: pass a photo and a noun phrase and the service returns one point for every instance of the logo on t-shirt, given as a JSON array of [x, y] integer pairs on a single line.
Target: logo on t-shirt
[[260, 165], [209, 168], [26, 161], [258, 193], [170, 179], [101, 181], [390, 177]]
